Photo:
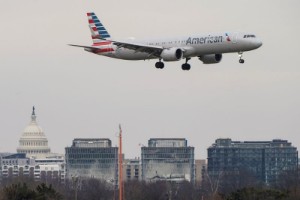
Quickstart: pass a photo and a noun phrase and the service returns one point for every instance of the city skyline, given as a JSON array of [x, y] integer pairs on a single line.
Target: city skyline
[[169, 139], [79, 95]]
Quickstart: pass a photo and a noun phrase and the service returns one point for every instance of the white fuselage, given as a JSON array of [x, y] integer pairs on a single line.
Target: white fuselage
[[207, 47], [192, 46]]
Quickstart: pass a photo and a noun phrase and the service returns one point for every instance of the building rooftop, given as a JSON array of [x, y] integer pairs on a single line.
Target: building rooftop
[[13, 156], [91, 142], [167, 142], [227, 142]]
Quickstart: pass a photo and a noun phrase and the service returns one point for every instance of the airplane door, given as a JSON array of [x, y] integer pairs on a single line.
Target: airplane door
[[235, 38]]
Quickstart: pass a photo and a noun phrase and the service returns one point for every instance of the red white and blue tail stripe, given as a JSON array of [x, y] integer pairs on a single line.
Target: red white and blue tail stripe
[[98, 31]]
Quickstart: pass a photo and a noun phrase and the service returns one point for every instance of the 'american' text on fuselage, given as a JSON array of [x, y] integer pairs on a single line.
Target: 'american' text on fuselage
[[204, 40]]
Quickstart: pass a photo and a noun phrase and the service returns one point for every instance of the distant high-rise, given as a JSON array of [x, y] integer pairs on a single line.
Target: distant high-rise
[[33, 142], [132, 169], [200, 170], [264, 159], [168, 159], [92, 157]]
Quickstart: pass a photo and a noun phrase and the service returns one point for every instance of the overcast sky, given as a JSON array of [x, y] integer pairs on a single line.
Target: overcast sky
[[78, 94]]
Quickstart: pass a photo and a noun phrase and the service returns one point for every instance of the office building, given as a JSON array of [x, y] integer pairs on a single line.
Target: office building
[[92, 158], [264, 159], [18, 165], [132, 169], [168, 159], [200, 170]]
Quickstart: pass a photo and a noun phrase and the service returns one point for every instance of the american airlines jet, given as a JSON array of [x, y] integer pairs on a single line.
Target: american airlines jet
[[207, 47]]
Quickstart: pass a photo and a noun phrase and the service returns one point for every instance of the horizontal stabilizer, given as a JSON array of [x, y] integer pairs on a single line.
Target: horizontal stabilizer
[[87, 48]]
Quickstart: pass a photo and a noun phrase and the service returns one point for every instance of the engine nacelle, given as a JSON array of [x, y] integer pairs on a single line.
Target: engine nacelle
[[211, 58], [172, 54]]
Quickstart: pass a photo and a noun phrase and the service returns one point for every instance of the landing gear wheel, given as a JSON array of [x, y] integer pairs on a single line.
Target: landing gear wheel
[[186, 66], [241, 60], [159, 65]]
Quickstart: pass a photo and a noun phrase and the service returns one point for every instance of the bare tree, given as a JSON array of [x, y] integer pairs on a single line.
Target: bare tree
[[211, 185], [187, 191], [234, 180], [140, 190], [94, 189], [135, 189], [289, 180]]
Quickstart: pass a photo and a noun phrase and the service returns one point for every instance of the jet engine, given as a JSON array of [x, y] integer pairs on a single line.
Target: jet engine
[[172, 54], [211, 58]]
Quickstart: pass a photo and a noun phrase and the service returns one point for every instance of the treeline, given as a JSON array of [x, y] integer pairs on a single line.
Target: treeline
[[225, 186], [243, 185]]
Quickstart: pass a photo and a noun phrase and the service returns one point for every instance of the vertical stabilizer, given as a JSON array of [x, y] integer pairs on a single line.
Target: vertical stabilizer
[[98, 31]]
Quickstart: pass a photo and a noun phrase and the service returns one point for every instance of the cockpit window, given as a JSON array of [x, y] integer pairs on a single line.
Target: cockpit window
[[249, 36]]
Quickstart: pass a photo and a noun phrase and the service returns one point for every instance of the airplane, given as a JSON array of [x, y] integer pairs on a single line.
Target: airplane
[[207, 47]]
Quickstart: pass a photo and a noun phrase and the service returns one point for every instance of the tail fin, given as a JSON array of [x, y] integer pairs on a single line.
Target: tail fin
[[99, 33]]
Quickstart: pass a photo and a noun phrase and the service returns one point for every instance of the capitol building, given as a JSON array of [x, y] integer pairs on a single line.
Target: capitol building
[[33, 141], [33, 158]]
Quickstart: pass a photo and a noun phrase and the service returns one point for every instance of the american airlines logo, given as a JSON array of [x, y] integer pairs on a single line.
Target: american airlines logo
[[204, 40], [227, 37]]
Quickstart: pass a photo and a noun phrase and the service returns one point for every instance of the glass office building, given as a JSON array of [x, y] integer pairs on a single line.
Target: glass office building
[[264, 159], [168, 159], [94, 158]]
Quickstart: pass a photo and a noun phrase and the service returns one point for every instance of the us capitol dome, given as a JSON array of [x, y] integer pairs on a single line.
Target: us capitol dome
[[33, 141]]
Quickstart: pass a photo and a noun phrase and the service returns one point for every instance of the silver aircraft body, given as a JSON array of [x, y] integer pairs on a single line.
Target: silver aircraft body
[[208, 47]]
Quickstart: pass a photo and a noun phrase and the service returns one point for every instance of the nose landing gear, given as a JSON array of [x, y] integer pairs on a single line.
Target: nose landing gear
[[241, 60]]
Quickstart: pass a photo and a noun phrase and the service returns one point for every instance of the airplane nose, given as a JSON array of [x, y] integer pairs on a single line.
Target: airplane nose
[[258, 43]]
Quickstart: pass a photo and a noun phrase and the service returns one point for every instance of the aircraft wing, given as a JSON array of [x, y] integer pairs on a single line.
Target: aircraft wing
[[153, 50]]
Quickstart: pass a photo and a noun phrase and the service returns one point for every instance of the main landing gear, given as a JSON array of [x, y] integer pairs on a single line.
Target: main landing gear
[[186, 66], [241, 60], [159, 64]]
